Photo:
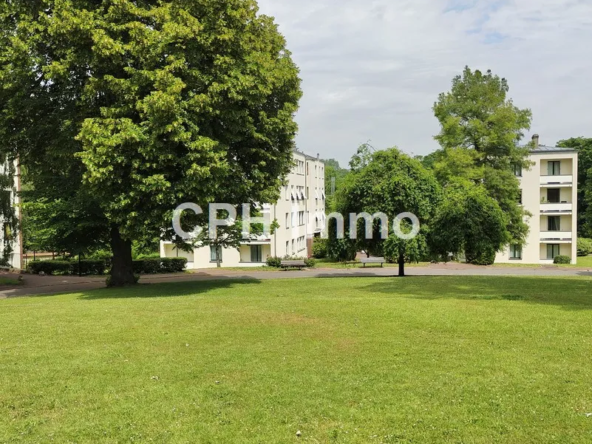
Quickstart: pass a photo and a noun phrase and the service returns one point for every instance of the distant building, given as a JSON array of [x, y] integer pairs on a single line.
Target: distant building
[[549, 193], [300, 212]]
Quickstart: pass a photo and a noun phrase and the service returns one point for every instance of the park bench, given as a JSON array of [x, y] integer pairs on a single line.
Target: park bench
[[300, 264], [373, 260]]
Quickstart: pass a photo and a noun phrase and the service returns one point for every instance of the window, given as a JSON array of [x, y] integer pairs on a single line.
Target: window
[[287, 248], [553, 195], [293, 249], [520, 197], [301, 218], [554, 168], [553, 251], [517, 170], [287, 221], [515, 252], [215, 254], [256, 253], [554, 223]]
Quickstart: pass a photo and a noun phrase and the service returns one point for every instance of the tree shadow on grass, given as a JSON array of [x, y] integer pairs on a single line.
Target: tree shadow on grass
[[570, 293], [167, 289]]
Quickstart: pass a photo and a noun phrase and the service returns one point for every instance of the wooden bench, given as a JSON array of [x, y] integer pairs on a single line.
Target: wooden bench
[[293, 264], [373, 260]]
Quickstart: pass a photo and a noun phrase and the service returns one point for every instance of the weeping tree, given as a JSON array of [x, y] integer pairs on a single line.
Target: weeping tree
[[122, 110]]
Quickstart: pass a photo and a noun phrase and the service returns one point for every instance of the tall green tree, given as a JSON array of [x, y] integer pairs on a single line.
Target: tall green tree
[[584, 147], [334, 177], [481, 131], [392, 183], [134, 107], [468, 221]]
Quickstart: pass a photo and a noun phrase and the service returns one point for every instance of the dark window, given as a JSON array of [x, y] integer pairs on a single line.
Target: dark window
[[517, 170], [554, 168], [553, 250], [553, 195], [554, 223], [256, 254], [515, 252]]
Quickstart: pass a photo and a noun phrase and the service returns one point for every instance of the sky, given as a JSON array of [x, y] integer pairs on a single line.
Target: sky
[[372, 69]]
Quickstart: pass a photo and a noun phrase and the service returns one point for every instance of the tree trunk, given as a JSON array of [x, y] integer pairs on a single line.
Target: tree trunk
[[122, 271], [401, 265]]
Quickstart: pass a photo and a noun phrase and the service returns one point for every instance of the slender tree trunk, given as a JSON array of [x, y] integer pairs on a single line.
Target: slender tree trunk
[[401, 265], [122, 271]]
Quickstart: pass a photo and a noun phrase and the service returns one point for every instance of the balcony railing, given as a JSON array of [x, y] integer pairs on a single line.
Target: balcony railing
[[556, 208], [557, 180], [554, 237]]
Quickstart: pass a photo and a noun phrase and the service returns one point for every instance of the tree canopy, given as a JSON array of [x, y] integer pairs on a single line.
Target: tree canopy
[[481, 131], [584, 147], [392, 183], [127, 109]]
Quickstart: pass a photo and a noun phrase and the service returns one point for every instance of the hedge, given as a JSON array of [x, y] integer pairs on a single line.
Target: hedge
[[99, 267], [562, 260], [276, 262]]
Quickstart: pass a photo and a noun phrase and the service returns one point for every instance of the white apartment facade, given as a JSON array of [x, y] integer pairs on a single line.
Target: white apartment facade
[[549, 193], [300, 213]]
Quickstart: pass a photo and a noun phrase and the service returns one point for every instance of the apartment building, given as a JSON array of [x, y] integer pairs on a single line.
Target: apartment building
[[549, 193], [300, 212]]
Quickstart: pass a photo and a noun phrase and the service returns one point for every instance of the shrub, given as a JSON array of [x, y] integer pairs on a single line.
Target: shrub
[[319, 248], [584, 246], [173, 265], [50, 267], [310, 263], [275, 262], [160, 265], [485, 257], [89, 266], [562, 260]]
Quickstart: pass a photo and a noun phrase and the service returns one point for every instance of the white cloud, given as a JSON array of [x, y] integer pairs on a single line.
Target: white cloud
[[372, 70]]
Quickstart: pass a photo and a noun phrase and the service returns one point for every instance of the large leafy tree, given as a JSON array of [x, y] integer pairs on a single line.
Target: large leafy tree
[[584, 147], [468, 221], [129, 108], [481, 131], [334, 177], [392, 183]]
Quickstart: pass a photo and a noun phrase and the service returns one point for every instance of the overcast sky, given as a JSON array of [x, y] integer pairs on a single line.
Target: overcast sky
[[372, 69]]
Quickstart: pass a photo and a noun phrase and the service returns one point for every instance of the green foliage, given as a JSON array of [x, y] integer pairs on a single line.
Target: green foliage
[[159, 265], [584, 246], [412, 250], [584, 147], [392, 183], [9, 223], [50, 267], [274, 262], [319, 248], [562, 260], [469, 221], [480, 134], [333, 171], [120, 111]]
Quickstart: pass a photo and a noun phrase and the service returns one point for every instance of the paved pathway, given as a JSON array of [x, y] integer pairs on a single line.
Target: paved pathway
[[38, 285]]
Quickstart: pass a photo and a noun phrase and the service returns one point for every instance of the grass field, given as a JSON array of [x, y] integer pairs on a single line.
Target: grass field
[[358, 360]]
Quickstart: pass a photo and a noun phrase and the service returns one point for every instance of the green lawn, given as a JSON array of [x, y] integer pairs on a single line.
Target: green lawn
[[356, 360]]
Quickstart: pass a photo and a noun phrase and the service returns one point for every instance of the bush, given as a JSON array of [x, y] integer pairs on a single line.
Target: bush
[[50, 267], [310, 263], [89, 266], [319, 248], [160, 265], [562, 260], [485, 257], [584, 246], [275, 262]]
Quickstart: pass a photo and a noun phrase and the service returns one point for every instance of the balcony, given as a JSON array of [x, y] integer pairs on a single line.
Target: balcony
[[556, 208], [556, 237], [556, 181]]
